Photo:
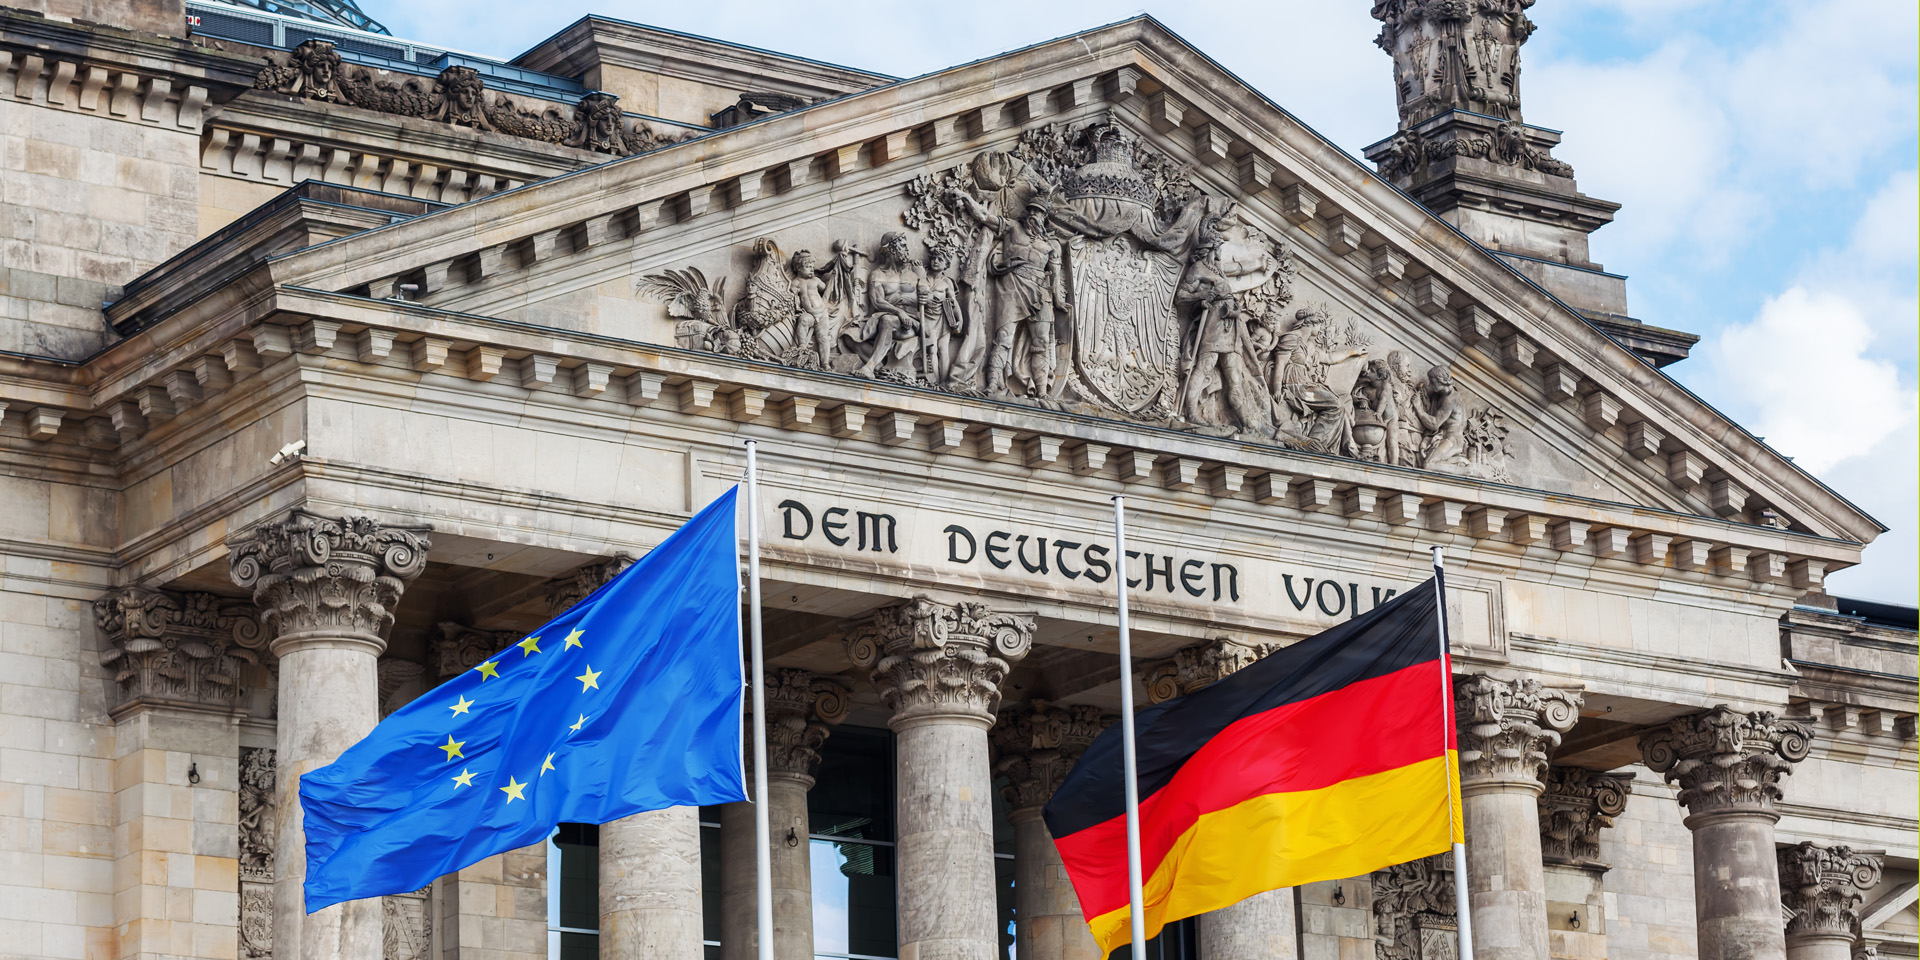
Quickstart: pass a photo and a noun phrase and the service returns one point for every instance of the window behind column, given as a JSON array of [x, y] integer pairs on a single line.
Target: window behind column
[[573, 892], [850, 814]]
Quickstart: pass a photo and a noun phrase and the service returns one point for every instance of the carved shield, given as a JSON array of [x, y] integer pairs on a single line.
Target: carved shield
[[1126, 345]]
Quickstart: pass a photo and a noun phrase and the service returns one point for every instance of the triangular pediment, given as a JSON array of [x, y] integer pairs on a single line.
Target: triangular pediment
[[1203, 262]]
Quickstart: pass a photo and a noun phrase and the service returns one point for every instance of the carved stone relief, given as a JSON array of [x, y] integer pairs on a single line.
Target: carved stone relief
[[939, 660], [1414, 910], [314, 70], [1508, 728], [1824, 887], [460, 648], [336, 575], [1194, 668], [1727, 760], [1577, 803], [1081, 271], [565, 591], [1036, 745], [183, 648], [802, 709], [256, 826], [407, 927]]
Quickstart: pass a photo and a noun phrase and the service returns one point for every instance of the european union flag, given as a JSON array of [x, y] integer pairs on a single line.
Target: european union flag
[[629, 701]]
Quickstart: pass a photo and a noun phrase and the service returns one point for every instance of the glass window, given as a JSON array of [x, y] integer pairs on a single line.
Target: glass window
[[710, 881], [850, 816], [573, 892]]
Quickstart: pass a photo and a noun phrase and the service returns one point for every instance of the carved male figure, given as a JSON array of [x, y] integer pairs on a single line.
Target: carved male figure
[[813, 318], [1028, 287], [1220, 348], [1403, 431], [895, 294]]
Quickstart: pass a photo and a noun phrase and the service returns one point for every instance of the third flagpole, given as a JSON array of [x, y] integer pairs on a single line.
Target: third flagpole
[[1455, 819], [762, 830], [1135, 912]]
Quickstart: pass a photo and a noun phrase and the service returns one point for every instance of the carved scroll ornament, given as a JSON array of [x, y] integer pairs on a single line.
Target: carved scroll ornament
[[1577, 803], [1198, 667], [329, 575], [1508, 728], [314, 70], [938, 660], [1081, 271], [183, 648], [1035, 745], [802, 709], [1824, 887], [1725, 760]]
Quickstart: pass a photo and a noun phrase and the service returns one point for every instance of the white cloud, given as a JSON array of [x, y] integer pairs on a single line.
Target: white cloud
[[1883, 481]]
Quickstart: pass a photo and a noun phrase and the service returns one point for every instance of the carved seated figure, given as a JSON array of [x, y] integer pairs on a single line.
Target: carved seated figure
[[889, 336]]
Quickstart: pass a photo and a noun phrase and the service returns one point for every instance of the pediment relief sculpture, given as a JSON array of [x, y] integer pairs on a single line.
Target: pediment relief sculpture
[[1082, 271], [314, 70]]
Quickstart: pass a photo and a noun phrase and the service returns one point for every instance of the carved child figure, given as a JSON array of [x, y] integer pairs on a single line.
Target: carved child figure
[[943, 318], [813, 321], [1440, 421]]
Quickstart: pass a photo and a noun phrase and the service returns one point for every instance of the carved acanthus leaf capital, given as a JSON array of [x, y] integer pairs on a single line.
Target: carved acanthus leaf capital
[[1508, 728], [1725, 760], [802, 709], [183, 648], [1824, 887], [328, 576], [1034, 746], [460, 648], [1197, 667], [1578, 802], [939, 660], [569, 589]]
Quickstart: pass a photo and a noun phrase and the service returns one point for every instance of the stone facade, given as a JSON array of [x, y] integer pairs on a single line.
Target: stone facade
[[355, 414]]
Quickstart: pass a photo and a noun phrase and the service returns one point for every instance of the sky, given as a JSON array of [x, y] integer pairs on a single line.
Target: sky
[[1764, 151]]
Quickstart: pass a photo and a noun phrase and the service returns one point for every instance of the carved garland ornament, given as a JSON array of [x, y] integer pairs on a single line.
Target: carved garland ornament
[[1508, 728], [1081, 271], [327, 575], [1724, 760], [1824, 886], [935, 660], [1577, 803], [186, 648], [314, 70], [1034, 747]]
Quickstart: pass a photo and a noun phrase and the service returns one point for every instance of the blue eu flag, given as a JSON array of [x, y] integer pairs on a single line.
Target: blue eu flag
[[629, 701]]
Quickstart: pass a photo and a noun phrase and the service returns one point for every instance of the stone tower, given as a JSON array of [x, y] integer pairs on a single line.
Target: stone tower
[[1463, 150]]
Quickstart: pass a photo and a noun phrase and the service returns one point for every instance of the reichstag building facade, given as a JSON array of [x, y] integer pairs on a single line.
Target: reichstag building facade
[[332, 363]]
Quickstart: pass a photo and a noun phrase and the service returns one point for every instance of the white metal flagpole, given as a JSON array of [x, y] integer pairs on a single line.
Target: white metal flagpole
[[1453, 769], [1135, 901], [762, 830]]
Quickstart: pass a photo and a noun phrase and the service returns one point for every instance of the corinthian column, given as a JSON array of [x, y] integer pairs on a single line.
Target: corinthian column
[[938, 667], [800, 711], [1034, 748], [325, 588], [1577, 803], [1824, 887], [1260, 927], [1728, 766], [1507, 729]]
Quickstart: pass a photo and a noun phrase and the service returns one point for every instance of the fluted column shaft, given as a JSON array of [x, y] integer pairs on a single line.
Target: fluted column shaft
[[326, 588], [1824, 887], [1507, 729], [1261, 927], [800, 711], [1034, 747], [939, 667], [1728, 766]]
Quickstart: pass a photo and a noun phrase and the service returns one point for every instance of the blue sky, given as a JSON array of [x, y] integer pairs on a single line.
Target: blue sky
[[1765, 153]]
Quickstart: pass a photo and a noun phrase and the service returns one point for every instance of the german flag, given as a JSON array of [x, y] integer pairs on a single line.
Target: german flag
[[1330, 758]]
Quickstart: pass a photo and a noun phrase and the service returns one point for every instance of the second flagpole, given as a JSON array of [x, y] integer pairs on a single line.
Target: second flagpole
[[1129, 761], [762, 830], [1451, 764]]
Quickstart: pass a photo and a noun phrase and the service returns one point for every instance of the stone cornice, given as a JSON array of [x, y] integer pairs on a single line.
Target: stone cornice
[[594, 41]]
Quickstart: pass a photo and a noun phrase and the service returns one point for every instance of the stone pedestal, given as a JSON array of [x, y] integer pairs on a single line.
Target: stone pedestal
[[1823, 887], [1507, 729], [325, 588], [1034, 746], [1728, 767], [800, 709], [1576, 805], [938, 667]]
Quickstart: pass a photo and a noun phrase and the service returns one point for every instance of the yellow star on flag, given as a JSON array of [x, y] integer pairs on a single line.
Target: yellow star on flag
[[460, 706], [464, 779], [529, 646], [513, 790], [488, 669], [589, 680], [452, 747], [576, 724], [573, 640], [546, 765]]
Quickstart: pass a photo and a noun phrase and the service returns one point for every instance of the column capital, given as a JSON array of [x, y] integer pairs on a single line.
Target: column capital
[[327, 578], [1200, 666], [1576, 803], [1508, 728], [460, 648], [939, 661], [1824, 886], [1035, 744], [1726, 761], [568, 589], [802, 709], [186, 649]]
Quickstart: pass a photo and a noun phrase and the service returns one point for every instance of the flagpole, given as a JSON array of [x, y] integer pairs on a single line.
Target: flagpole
[[1452, 767], [1135, 900], [762, 830]]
